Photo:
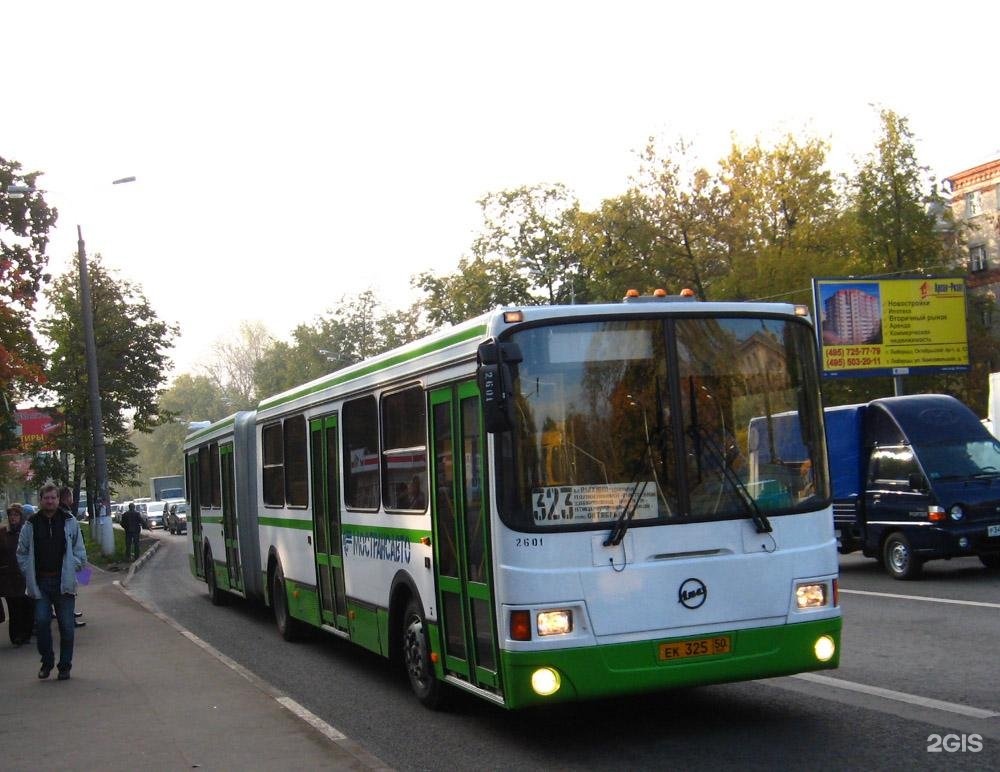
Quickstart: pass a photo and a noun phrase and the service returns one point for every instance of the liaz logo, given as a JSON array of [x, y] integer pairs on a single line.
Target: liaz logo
[[692, 593]]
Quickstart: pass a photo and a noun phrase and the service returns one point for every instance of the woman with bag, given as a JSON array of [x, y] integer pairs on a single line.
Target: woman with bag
[[20, 608]]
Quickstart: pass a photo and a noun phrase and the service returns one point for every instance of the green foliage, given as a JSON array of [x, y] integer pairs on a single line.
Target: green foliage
[[479, 284], [890, 196], [234, 362], [531, 229], [161, 452], [131, 344], [25, 222], [358, 328]]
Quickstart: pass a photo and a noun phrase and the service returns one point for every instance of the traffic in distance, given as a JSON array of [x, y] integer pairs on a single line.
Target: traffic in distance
[[542, 504]]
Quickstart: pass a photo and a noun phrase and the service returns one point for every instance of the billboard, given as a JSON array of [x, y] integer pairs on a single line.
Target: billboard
[[37, 427], [891, 326]]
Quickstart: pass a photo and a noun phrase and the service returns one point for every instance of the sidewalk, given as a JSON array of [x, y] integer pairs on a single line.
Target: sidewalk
[[144, 696]]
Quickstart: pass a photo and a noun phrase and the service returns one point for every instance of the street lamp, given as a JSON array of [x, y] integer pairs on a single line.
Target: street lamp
[[102, 512]]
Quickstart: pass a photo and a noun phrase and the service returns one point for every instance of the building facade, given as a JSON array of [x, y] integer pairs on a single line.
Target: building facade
[[975, 205]]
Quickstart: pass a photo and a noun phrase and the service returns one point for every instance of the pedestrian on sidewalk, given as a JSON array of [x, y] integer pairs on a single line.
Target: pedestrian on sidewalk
[[132, 523], [66, 507], [49, 552], [20, 608]]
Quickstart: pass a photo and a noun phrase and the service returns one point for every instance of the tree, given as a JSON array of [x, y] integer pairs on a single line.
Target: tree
[[131, 345], [358, 328], [161, 452], [532, 228], [234, 361], [479, 284], [24, 226], [890, 198]]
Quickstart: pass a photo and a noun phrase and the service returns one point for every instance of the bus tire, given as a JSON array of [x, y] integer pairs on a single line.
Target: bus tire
[[217, 596], [991, 561], [288, 626], [898, 557], [417, 657]]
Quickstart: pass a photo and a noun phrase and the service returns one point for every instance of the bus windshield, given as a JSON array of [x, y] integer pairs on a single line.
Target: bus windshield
[[665, 420]]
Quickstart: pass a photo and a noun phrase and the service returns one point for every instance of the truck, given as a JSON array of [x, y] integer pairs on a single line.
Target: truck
[[169, 486], [913, 478]]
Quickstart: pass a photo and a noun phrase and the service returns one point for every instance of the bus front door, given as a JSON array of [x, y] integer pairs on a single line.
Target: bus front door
[[326, 521], [194, 515], [462, 539]]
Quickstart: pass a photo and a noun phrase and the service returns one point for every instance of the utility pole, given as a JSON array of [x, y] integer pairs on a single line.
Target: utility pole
[[105, 535]]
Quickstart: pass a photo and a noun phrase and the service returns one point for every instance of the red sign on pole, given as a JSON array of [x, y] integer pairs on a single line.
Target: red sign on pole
[[38, 428]]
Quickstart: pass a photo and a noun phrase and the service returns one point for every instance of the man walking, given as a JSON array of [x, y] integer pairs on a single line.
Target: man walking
[[49, 552], [66, 509], [132, 523]]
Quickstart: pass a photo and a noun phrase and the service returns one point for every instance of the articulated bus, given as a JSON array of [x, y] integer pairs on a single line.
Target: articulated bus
[[542, 504]]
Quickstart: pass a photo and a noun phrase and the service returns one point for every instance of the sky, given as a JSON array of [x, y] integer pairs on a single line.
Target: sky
[[289, 154]]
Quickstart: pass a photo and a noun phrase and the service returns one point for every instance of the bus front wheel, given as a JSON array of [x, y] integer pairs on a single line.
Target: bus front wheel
[[417, 657]]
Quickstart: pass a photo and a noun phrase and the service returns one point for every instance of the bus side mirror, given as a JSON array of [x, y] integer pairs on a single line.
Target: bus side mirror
[[495, 380]]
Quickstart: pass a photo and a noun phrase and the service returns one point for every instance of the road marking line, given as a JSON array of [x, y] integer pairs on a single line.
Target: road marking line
[[311, 718], [921, 597], [889, 694]]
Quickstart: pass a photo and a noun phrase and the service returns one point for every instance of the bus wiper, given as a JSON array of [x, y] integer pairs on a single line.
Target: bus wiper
[[628, 512], [701, 436]]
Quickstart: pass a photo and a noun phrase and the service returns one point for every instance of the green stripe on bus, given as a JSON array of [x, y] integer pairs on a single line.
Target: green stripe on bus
[[211, 519], [361, 529], [336, 380], [631, 668], [286, 522]]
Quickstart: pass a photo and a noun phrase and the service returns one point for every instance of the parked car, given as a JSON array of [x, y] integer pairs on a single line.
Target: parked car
[[175, 518], [151, 514]]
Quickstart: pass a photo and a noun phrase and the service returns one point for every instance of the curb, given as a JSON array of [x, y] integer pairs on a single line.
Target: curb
[[143, 559]]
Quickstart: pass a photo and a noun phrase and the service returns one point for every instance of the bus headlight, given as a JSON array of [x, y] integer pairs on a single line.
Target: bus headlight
[[956, 512], [545, 681], [811, 595], [556, 622], [824, 648]]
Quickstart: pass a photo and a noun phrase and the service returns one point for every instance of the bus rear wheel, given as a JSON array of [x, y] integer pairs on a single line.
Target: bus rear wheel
[[288, 626], [900, 562], [991, 561], [417, 657]]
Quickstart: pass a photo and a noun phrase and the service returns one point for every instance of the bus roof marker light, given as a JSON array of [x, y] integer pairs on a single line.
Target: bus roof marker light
[[632, 293], [801, 310], [510, 317], [659, 292], [824, 648], [545, 681], [687, 292]]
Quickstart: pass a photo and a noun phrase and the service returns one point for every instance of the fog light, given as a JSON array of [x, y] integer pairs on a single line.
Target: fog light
[[824, 648], [810, 595], [545, 681], [963, 543], [555, 622]]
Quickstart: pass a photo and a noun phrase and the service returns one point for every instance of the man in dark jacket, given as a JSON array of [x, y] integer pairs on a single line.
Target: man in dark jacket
[[132, 523], [50, 552]]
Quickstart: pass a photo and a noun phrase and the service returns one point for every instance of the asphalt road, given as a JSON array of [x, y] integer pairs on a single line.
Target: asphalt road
[[918, 659]]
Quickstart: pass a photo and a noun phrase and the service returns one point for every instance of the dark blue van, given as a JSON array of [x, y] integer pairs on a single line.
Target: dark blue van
[[914, 478]]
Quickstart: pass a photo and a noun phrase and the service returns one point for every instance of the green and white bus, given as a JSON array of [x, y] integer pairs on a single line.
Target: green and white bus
[[541, 504]]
